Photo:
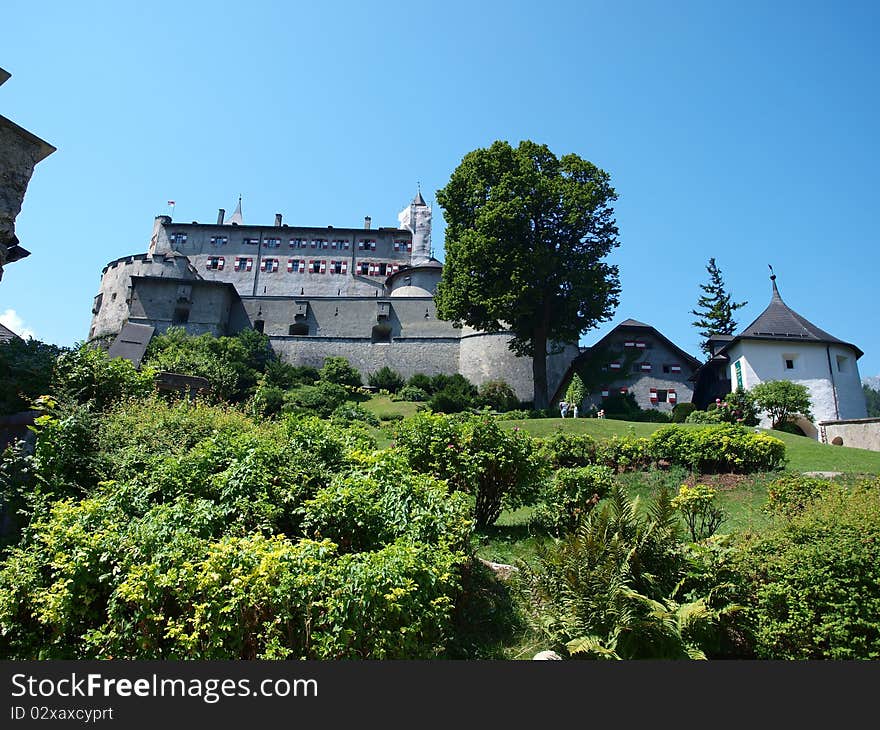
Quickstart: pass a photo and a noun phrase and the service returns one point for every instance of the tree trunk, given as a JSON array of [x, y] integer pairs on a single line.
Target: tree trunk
[[539, 369]]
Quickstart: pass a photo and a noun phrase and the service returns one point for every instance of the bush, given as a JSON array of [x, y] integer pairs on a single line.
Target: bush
[[350, 412], [621, 407], [783, 400], [515, 415], [706, 416], [569, 497], [27, 371], [715, 449], [386, 379], [88, 375], [268, 401], [411, 393], [497, 395], [339, 371], [680, 411], [453, 398], [624, 453], [422, 382], [738, 407], [282, 375], [564, 449], [814, 579], [499, 467], [701, 514], [791, 494], [320, 399]]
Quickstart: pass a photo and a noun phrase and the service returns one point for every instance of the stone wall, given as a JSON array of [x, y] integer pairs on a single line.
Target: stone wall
[[862, 433]]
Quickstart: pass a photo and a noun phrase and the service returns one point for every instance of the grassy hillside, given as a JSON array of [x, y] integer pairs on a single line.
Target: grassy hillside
[[803, 453]]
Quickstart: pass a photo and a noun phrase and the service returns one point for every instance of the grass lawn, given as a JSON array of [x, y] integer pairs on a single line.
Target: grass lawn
[[384, 408]]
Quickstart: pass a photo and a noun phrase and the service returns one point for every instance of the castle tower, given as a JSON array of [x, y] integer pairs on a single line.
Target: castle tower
[[416, 218]]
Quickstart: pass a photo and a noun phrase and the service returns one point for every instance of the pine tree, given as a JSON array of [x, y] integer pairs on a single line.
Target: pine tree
[[715, 308]]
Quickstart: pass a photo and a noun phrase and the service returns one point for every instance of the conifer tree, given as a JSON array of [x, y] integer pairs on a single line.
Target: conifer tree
[[715, 308]]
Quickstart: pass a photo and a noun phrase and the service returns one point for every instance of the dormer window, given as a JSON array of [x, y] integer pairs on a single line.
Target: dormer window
[[272, 243], [215, 240], [177, 239]]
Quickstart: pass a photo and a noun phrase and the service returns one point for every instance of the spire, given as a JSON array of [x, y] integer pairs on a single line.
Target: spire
[[773, 279], [236, 215], [419, 200]]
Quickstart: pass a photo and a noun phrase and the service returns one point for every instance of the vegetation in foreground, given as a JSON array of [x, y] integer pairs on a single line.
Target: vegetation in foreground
[[241, 533]]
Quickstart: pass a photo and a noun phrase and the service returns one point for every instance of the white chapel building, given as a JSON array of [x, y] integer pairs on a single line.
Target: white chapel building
[[781, 345]]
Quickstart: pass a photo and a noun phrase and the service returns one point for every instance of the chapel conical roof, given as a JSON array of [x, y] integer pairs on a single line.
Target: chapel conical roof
[[236, 215], [780, 322]]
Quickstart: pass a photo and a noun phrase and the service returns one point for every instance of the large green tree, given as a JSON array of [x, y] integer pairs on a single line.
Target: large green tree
[[715, 308], [526, 235]]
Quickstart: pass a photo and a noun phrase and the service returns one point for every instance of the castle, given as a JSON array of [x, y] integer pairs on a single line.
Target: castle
[[361, 293]]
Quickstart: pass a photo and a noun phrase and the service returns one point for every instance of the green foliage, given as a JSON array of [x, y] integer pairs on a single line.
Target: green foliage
[[783, 400], [576, 391], [497, 395], [553, 218], [320, 399], [680, 412], [452, 394], [715, 308], [350, 412], [738, 407], [232, 365], [268, 400], [565, 449], [608, 590], [89, 376], [790, 494], [26, 366], [814, 579], [411, 393], [498, 467], [701, 513], [872, 401], [387, 379], [707, 416], [624, 453], [285, 376], [338, 370], [716, 449], [570, 495], [421, 381]]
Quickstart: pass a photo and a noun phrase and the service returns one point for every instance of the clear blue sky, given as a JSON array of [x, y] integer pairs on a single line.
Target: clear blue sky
[[745, 131]]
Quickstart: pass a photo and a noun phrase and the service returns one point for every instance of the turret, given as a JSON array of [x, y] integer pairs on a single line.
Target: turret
[[416, 218]]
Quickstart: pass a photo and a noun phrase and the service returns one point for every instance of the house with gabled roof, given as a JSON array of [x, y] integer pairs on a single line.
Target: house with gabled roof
[[637, 358]]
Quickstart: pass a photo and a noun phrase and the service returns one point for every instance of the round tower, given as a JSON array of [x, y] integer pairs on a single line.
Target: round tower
[[416, 218]]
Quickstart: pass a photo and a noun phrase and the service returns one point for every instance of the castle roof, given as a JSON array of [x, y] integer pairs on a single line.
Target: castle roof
[[7, 334], [419, 200], [780, 322]]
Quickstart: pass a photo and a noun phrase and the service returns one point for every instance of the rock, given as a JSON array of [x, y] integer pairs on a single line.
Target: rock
[[501, 570], [544, 655]]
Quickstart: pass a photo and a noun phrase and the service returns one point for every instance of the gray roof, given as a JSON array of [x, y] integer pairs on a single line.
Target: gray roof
[[780, 322], [419, 200], [131, 343], [7, 334]]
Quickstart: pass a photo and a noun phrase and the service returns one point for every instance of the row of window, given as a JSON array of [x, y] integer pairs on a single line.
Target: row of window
[[301, 266], [656, 395], [647, 367], [364, 244]]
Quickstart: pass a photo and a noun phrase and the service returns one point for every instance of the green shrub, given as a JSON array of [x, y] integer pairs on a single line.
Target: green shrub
[[88, 375], [716, 449], [783, 400], [386, 379], [499, 467], [497, 395], [515, 415], [339, 371], [624, 453], [701, 514], [350, 412], [814, 579], [285, 376], [790, 494], [450, 400], [320, 399], [422, 382], [411, 393], [738, 407], [608, 590], [27, 370], [268, 401], [680, 411], [570, 495], [565, 449], [703, 417]]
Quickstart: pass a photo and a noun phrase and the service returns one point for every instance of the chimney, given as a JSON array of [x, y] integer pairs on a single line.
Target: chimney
[[278, 220], [367, 221], [220, 216]]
